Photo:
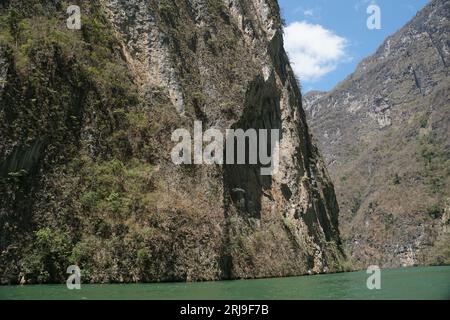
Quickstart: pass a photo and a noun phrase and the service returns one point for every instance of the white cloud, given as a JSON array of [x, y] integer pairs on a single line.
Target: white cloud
[[308, 13], [313, 50]]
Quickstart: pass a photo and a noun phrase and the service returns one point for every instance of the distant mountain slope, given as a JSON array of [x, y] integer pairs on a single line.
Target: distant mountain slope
[[384, 132]]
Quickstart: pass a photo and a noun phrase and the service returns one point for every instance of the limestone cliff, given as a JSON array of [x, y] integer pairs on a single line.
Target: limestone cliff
[[86, 121]]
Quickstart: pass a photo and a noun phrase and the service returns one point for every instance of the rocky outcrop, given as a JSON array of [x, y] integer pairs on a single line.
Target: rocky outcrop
[[146, 47], [383, 134], [3, 67], [103, 192]]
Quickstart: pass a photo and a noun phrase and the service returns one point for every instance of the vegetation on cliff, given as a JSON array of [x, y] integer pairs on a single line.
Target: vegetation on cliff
[[86, 118]]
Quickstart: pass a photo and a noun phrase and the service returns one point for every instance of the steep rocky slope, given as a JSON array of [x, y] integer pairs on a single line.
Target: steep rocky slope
[[86, 119], [384, 133]]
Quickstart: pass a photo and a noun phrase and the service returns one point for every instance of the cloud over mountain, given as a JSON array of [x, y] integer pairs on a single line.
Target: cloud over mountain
[[314, 51]]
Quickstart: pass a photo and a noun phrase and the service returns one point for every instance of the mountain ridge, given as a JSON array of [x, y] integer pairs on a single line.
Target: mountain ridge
[[383, 133]]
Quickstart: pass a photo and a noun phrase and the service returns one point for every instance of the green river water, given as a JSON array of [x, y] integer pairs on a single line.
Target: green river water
[[408, 283]]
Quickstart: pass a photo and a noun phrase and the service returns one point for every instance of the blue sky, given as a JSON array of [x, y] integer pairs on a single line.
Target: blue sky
[[326, 39]]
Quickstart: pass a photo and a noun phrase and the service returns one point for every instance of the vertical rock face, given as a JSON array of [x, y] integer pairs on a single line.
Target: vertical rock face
[[3, 67], [384, 134], [259, 91], [113, 199]]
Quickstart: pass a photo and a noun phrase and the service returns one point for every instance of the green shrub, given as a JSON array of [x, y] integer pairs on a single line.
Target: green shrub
[[434, 211], [48, 258]]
